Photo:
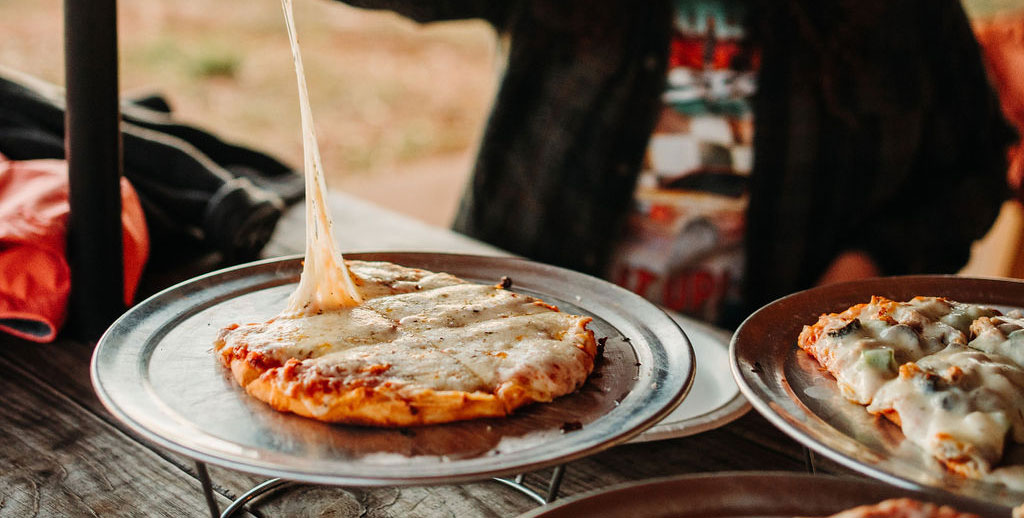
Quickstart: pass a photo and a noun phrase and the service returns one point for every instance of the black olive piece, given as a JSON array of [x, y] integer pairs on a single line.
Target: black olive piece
[[929, 382], [851, 327], [946, 402]]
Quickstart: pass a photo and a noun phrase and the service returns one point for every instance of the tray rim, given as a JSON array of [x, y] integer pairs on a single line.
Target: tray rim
[[624, 491], [729, 411], [769, 408], [687, 358]]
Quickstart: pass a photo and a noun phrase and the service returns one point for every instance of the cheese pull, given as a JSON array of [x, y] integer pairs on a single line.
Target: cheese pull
[[325, 284]]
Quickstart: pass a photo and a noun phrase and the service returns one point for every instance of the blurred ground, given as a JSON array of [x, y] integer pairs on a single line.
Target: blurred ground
[[396, 104]]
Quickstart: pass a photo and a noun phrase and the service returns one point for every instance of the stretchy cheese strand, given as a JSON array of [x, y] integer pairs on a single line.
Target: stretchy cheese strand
[[325, 283]]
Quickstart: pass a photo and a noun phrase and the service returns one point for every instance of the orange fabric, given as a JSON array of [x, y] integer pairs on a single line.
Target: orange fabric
[[34, 275], [1002, 42]]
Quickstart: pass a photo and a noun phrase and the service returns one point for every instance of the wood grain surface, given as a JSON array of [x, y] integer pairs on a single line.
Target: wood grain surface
[[62, 454]]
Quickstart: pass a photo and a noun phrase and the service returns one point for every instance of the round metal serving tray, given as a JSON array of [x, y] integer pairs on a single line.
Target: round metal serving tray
[[792, 391], [155, 371], [744, 495], [715, 400]]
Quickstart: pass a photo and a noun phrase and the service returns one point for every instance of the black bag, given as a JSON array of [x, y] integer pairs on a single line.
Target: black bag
[[199, 193]]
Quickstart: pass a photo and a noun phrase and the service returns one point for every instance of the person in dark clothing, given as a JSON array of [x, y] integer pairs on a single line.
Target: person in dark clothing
[[879, 145]]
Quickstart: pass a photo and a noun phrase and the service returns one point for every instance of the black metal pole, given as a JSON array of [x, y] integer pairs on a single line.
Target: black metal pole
[[93, 146]]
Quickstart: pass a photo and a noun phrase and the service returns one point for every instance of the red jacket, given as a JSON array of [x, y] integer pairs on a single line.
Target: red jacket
[[34, 275]]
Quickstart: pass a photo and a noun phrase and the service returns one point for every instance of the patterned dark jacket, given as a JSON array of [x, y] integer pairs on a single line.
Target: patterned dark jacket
[[876, 129]]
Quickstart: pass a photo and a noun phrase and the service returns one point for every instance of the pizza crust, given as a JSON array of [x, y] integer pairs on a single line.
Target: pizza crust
[[423, 348]]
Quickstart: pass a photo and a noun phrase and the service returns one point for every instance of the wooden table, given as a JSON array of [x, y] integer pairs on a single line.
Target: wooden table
[[62, 454]]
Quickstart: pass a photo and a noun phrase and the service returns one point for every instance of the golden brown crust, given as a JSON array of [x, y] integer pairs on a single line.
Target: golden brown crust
[[810, 335], [381, 405], [376, 406], [368, 393]]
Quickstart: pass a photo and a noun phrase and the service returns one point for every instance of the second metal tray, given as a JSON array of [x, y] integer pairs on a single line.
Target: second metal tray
[[792, 390]]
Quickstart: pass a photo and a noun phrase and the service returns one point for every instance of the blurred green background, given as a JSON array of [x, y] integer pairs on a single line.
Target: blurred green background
[[398, 106], [385, 92]]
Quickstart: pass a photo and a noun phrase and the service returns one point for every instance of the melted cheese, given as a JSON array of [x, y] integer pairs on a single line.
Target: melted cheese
[[958, 399], [429, 331], [1002, 335], [904, 331], [387, 345], [326, 283], [958, 404]]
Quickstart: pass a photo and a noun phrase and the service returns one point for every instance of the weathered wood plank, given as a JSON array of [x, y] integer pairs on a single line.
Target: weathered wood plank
[[478, 500], [61, 372], [65, 365], [57, 459]]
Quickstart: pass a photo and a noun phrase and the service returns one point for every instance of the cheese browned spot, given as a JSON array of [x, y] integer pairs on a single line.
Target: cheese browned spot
[[422, 348], [903, 508]]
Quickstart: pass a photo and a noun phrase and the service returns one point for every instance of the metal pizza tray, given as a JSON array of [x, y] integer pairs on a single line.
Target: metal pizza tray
[[715, 400], [745, 495], [155, 371], [792, 391]]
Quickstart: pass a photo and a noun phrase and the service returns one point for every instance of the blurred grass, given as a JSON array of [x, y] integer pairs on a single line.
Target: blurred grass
[[985, 8], [385, 91]]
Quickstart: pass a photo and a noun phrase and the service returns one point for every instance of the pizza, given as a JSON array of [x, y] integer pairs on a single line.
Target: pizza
[[863, 346], [946, 372], [1002, 335], [421, 348], [373, 343], [903, 508], [960, 404]]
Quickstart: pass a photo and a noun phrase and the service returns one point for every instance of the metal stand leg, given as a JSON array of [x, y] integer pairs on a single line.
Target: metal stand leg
[[518, 486], [265, 487], [554, 485], [809, 460], [517, 483], [204, 479], [239, 503]]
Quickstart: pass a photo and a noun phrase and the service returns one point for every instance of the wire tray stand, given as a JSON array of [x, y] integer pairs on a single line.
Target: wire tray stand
[[274, 484], [153, 370]]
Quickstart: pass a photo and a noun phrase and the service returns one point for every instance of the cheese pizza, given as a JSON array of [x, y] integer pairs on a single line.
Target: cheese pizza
[[947, 373], [864, 345], [379, 344], [422, 348]]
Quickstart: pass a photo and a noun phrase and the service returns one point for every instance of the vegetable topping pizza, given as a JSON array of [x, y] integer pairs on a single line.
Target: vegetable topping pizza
[[948, 373]]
